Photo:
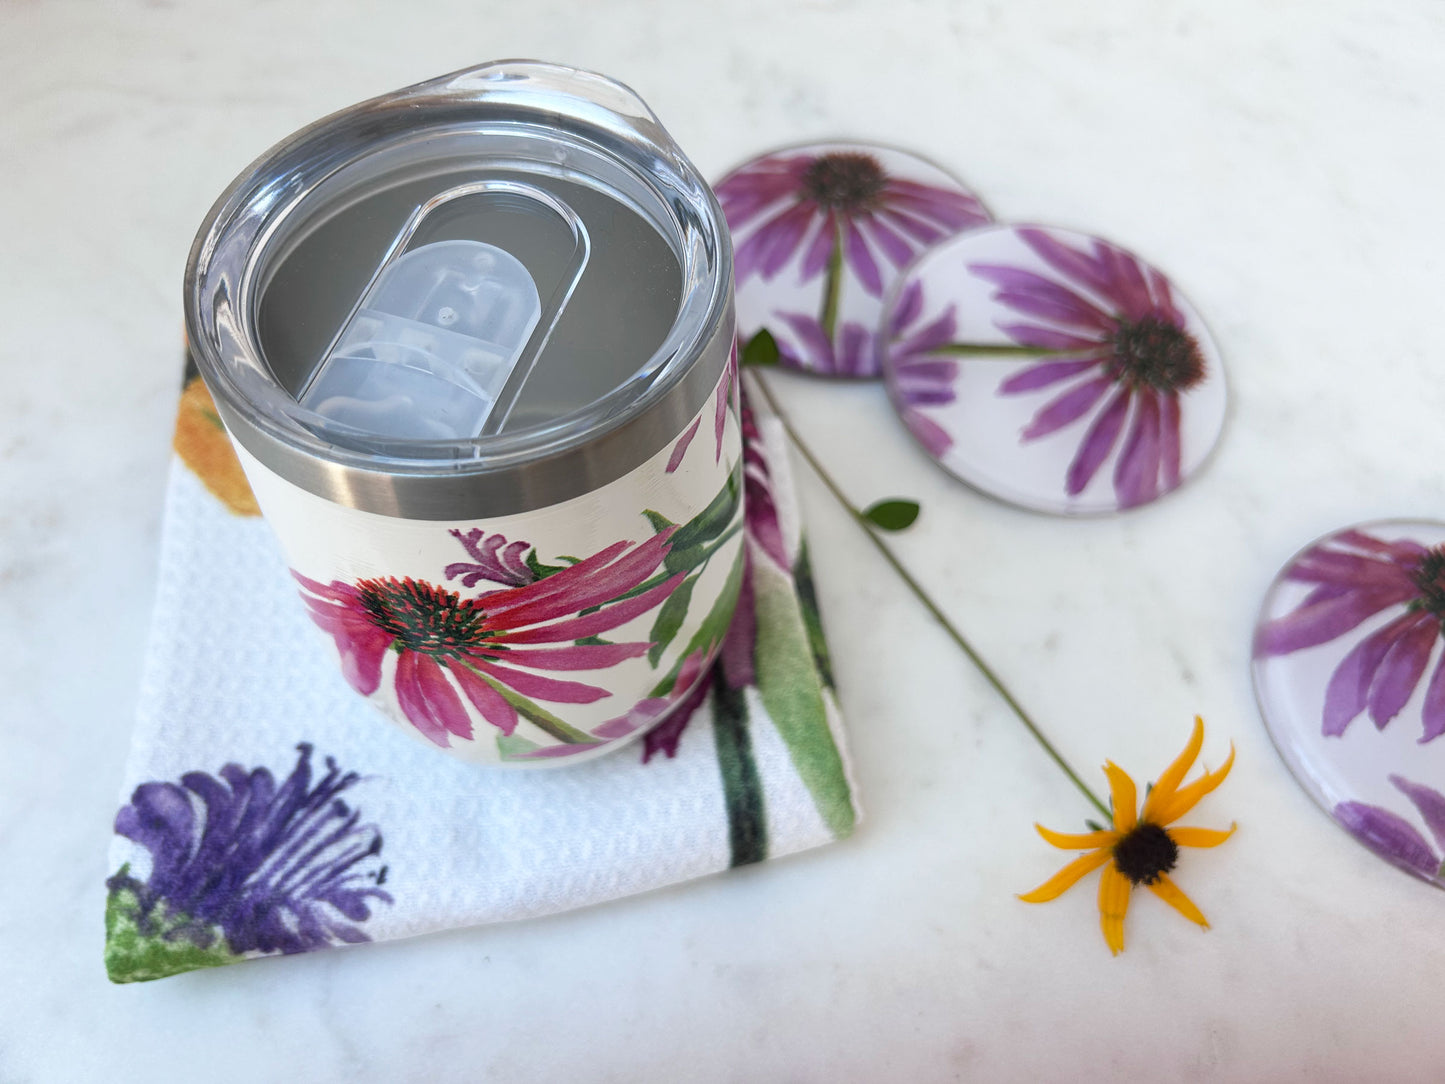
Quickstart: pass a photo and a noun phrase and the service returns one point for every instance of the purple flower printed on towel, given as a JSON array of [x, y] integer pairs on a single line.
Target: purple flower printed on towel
[[918, 376], [240, 865], [1356, 577], [1123, 358], [1392, 836], [842, 203]]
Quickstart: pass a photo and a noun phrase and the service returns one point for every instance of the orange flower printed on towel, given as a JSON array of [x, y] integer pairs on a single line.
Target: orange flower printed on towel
[[201, 442]]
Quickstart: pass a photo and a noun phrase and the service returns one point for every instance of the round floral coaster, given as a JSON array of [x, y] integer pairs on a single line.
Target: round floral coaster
[[820, 232], [1343, 671], [1052, 370]]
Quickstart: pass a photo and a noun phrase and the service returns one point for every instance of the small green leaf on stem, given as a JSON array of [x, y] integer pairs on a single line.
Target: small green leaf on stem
[[761, 349], [892, 515]]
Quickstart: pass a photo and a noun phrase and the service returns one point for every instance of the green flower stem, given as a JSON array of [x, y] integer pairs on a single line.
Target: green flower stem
[[543, 719], [999, 350], [833, 283], [958, 638]]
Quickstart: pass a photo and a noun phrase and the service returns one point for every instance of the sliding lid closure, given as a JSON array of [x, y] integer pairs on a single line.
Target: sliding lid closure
[[442, 339]]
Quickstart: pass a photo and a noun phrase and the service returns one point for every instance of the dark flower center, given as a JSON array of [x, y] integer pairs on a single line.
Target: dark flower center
[[1429, 577], [1153, 353], [424, 617], [846, 182], [1145, 852]]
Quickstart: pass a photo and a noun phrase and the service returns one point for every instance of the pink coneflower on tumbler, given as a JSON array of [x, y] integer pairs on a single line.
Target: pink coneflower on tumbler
[[1122, 358], [488, 649], [1356, 577]]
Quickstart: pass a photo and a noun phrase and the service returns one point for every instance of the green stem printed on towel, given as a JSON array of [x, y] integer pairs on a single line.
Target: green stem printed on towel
[[913, 585], [742, 787]]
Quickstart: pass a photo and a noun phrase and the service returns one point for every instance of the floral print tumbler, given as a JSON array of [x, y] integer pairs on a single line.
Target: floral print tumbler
[[512, 514]]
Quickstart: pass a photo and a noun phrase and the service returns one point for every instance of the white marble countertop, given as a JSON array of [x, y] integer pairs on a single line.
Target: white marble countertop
[[1283, 162]]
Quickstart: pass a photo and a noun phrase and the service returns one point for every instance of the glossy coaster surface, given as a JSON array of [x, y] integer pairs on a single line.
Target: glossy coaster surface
[[1350, 678], [821, 232], [1052, 370]]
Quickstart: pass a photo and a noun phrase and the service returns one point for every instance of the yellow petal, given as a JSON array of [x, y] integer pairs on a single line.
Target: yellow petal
[[1188, 797], [1066, 878], [1081, 842], [1124, 794], [1113, 905], [1169, 892], [1174, 774], [1200, 837]]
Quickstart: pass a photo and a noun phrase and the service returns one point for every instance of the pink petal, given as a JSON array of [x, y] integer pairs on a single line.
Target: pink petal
[[773, 243], [1068, 407], [1136, 474], [1319, 622], [820, 249], [428, 701], [923, 232], [1098, 443], [1322, 565], [336, 591], [539, 687], [1037, 296], [930, 434], [603, 576], [1429, 801], [855, 358], [898, 251], [593, 624], [816, 349], [1400, 671], [1433, 711], [680, 448], [1402, 550], [1042, 374], [1169, 454], [724, 395], [908, 307], [855, 250], [1067, 261], [929, 338], [492, 704], [1047, 338], [1349, 688], [1129, 286], [575, 657]]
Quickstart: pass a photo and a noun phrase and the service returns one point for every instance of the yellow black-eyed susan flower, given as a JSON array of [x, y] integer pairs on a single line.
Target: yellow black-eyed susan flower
[[1140, 849]]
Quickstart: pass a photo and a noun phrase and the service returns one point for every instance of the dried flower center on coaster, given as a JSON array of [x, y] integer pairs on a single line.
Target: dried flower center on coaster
[[821, 232], [1052, 369], [1350, 676]]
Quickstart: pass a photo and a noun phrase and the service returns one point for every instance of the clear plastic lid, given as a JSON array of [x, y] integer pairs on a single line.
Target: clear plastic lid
[[445, 335]]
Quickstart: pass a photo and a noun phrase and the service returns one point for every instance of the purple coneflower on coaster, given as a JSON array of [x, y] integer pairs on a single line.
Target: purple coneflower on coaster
[[1052, 370], [1350, 677], [820, 232]]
